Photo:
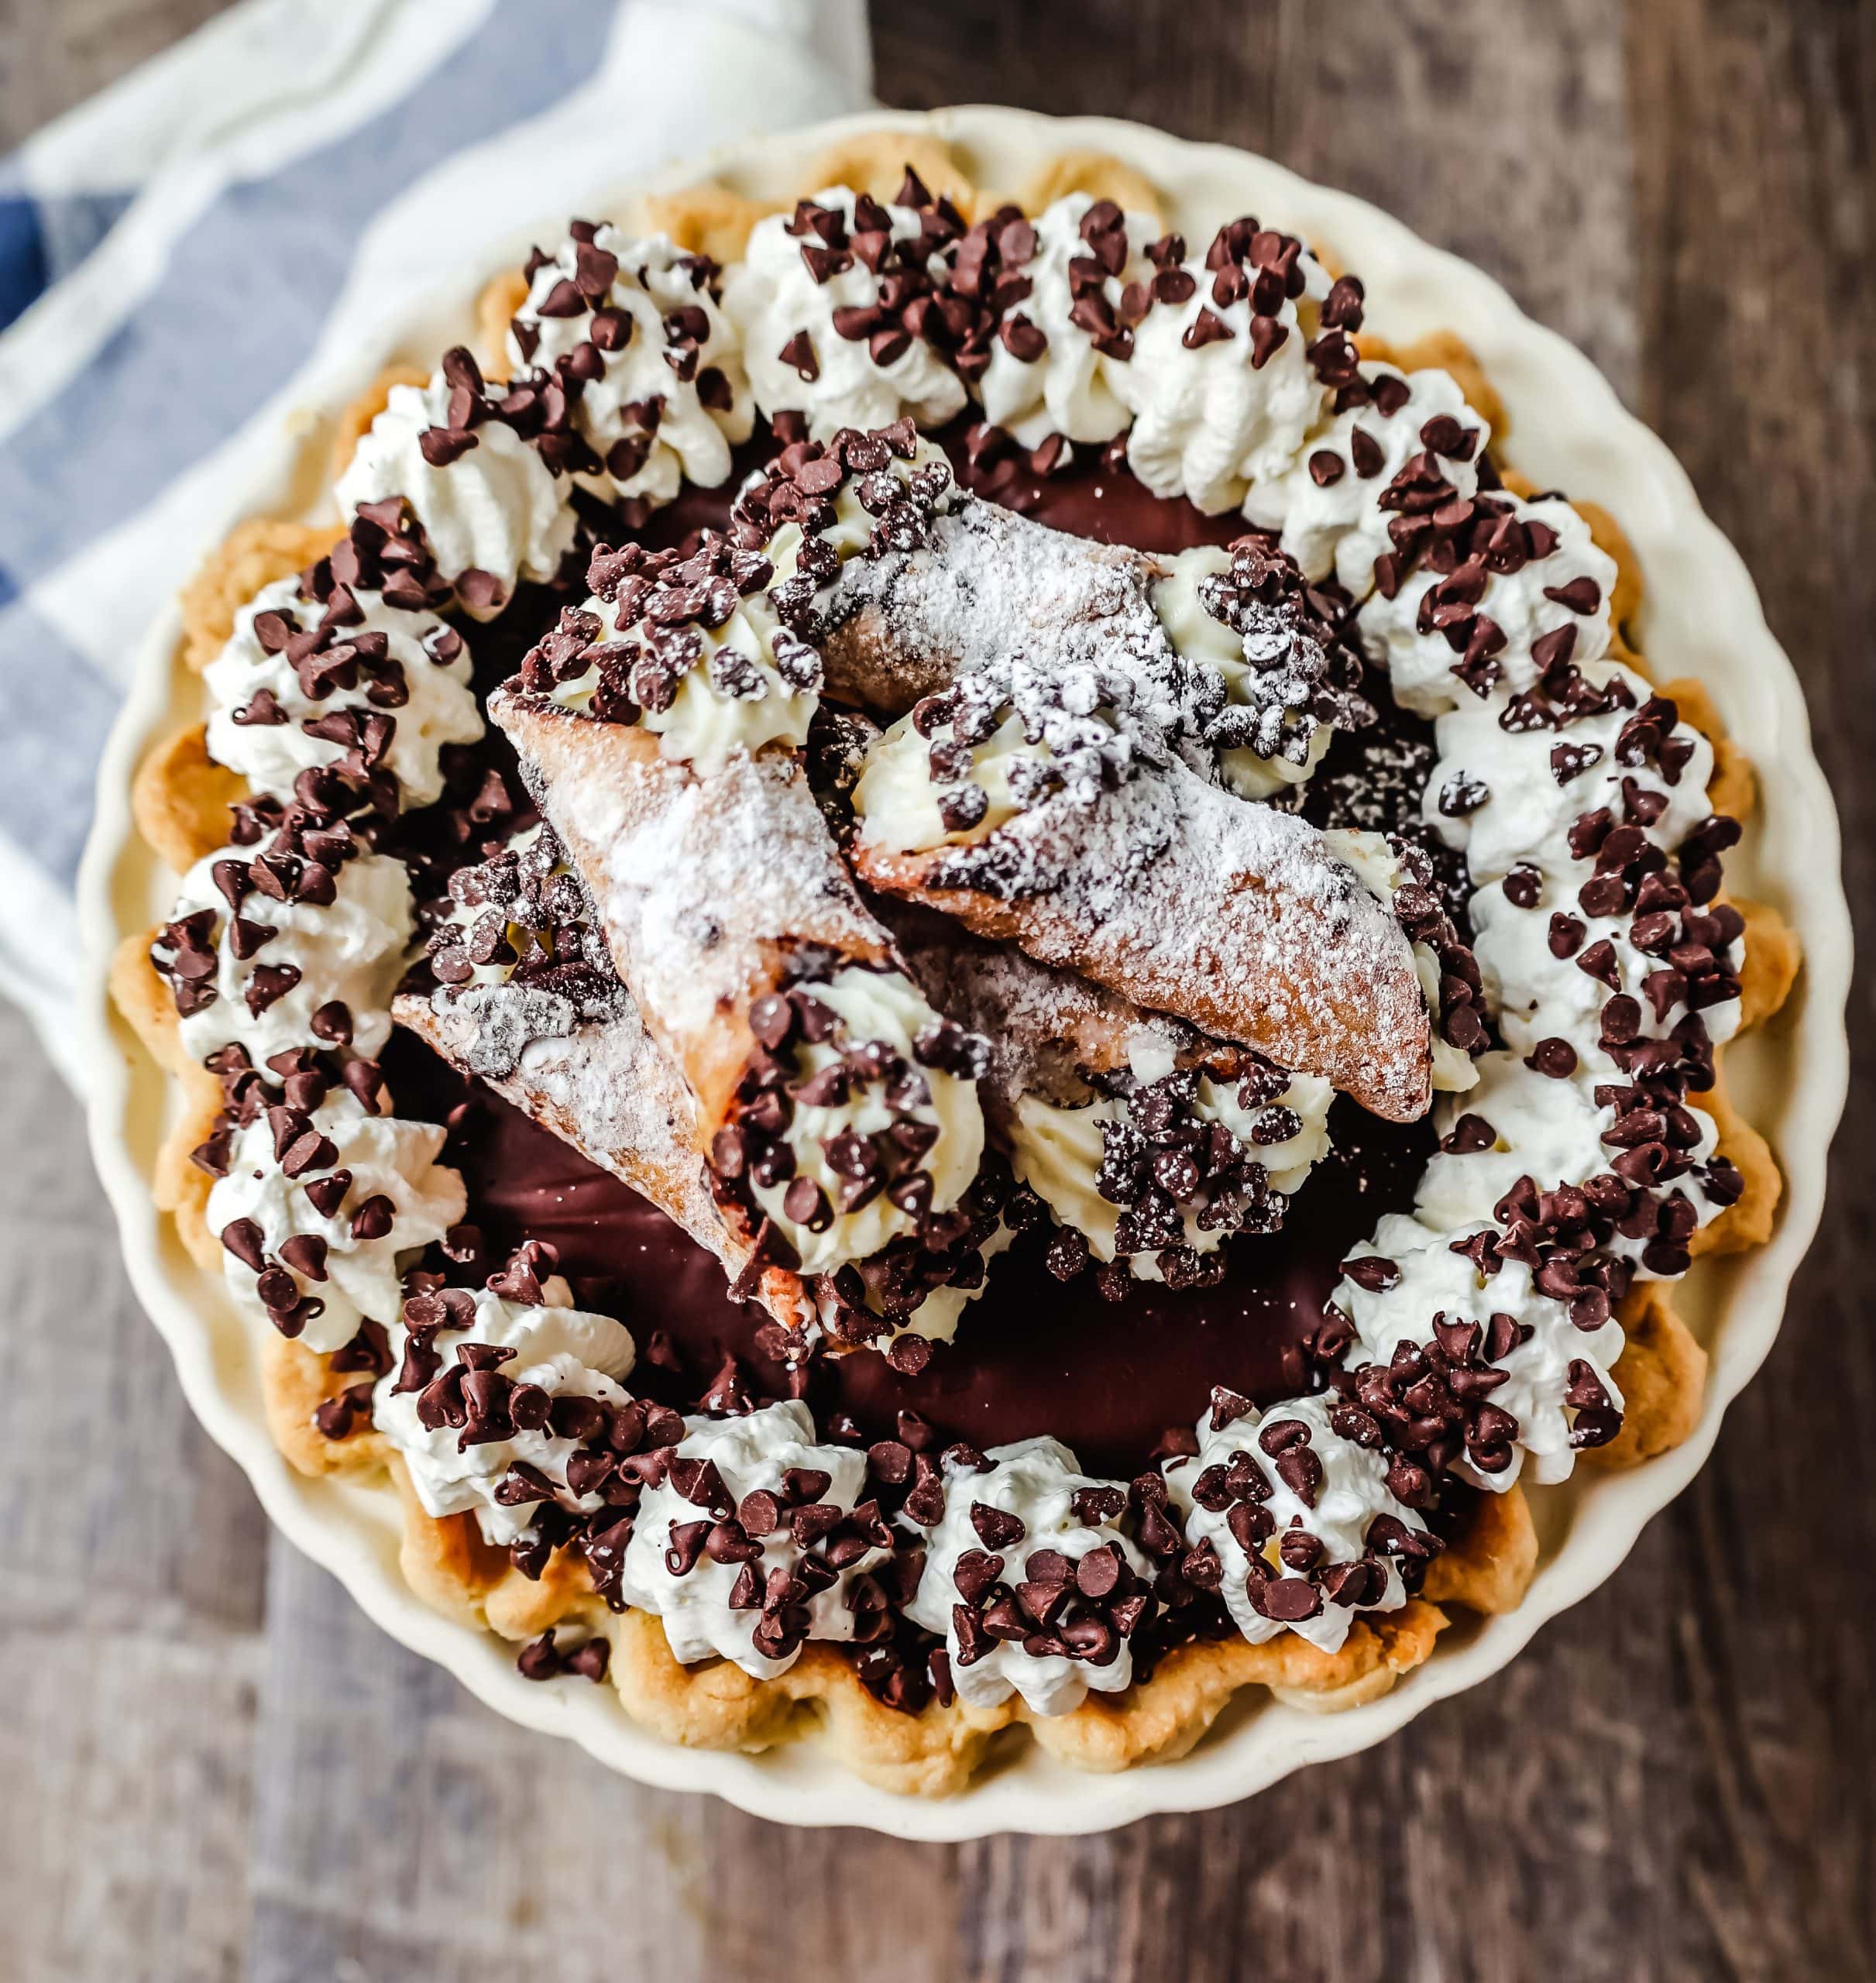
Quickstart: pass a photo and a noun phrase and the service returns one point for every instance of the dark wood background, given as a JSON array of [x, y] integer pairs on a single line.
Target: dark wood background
[[214, 1768]]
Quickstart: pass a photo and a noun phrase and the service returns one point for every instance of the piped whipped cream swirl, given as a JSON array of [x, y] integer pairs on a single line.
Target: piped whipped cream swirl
[[756, 1539], [1519, 588], [633, 333], [502, 1450], [1030, 1577], [1065, 289], [272, 970], [1448, 1326], [842, 310], [320, 1210], [355, 681], [494, 512], [1645, 1162], [1224, 383], [1551, 972], [1541, 779], [1292, 1522], [1359, 497]]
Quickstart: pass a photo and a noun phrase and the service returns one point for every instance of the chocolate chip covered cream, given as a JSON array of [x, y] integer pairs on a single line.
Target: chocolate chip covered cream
[[960, 970]]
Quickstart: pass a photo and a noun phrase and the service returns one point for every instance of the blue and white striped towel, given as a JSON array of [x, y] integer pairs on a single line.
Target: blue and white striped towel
[[169, 253]]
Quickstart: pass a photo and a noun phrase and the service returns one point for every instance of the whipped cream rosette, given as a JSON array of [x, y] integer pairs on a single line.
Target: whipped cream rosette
[[757, 1538], [347, 668], [1578, 775], [1289, 1517], [1502, 591], [632, 333], [1030, 1576], [1366, 493], [493, 1403], [308, 958], [483, 474], [292, 935], [322, 1205], [1551, 972], [844, 312], [1232, 362], [1483, 1349], [1646, 1164], [1063, 292]]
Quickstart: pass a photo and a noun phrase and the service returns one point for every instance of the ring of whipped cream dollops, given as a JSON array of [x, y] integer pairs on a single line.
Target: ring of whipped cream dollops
[[892, 876]]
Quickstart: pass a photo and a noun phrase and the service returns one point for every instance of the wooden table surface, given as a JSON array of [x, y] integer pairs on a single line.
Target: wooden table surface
[[218, 1769]]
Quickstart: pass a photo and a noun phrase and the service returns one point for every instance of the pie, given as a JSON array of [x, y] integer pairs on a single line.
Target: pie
[[946, 970]]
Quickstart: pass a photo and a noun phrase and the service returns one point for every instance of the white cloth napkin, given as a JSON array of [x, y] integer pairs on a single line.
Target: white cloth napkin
[[170, 255]]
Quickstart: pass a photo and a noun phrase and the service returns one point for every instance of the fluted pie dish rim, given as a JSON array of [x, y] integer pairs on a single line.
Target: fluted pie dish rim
[[1703, 619]]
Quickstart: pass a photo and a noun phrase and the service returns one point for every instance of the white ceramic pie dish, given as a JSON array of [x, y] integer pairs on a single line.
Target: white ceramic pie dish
[[409, 296]]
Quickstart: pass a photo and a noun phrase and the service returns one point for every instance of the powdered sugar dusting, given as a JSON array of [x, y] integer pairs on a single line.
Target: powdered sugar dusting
[[993, 587], [1233, 916], [706, 888]]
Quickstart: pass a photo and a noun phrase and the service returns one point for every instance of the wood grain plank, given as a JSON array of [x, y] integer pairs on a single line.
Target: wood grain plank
[[54, 54], [130, 1614], [1757, 245], [402, 1829]]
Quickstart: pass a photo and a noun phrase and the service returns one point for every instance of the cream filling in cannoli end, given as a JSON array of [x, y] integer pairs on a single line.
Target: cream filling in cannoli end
[[1059, 1151], [851, 530], [938, 1315], [901, 808], [733, 696], [483, 941], [880, 1007], [1198, 636], [1378, 868]]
